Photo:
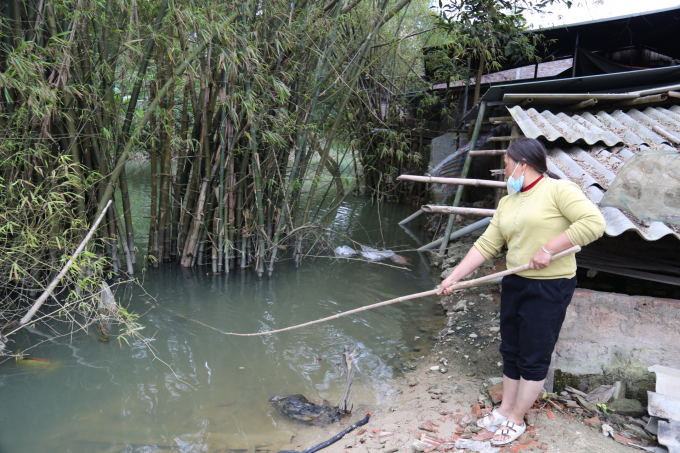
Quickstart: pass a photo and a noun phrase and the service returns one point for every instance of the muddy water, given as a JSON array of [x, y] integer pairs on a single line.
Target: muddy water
[[190, 388]]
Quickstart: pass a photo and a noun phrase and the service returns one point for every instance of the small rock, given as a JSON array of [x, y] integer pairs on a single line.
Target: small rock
[[473, 335], [627, 407], [494, 329], [499, 363], [466, 356], [491, 381], [434, 368], [427, 426], [443, 370], [459, 306], [435, 391], [593, 423], [637, 431], [385, 436], [412, 383]]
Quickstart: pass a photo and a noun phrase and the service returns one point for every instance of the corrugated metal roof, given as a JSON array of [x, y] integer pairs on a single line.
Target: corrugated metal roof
[[633, 129], [594, 168], [620, 82]]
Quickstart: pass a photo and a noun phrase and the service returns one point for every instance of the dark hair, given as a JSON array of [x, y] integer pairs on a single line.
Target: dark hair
[[532, 152]]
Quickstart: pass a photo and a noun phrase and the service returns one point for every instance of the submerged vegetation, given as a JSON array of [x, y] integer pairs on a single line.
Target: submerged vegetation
[[231, 102]]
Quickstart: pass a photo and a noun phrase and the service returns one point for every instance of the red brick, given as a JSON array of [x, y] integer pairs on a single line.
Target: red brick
[[593, 421], [478, 411], [550, 415], [519, 447], [483, 436], [427, 426], [496, 393], [623, 440]]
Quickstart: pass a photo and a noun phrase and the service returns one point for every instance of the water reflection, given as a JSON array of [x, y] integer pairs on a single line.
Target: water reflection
[[191, 388]]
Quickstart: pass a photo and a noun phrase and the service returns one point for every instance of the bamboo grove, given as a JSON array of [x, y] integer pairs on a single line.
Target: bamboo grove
[[231, 102]]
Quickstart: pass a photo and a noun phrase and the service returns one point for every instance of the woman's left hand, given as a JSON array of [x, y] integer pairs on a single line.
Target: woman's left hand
[[540, 260]]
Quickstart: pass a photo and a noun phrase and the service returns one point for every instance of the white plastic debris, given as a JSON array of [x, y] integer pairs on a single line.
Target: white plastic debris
[[344, 250], [607, 430], [474, 445], [374, 254]]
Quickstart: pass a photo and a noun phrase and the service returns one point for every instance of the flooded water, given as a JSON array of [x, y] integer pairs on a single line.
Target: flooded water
[[191, 388]]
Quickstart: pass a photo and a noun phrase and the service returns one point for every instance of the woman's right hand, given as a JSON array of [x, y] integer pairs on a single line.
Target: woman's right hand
[[445, 288]]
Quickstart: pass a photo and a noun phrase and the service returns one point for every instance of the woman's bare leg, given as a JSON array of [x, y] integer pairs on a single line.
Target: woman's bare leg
[[525, 396], [510, 390]]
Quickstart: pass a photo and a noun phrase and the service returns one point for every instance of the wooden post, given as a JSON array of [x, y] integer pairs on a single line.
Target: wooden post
[[464, 173]]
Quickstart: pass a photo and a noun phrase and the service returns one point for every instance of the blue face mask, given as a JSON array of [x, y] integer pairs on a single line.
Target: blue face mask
[[515, 185]]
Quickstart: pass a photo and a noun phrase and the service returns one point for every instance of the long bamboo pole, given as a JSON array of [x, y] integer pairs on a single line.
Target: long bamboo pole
[[460, 211], [457, 181], [432, 292], [43, 297]]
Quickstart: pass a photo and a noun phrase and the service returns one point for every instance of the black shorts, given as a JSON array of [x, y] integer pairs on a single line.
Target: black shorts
[[532, 312]]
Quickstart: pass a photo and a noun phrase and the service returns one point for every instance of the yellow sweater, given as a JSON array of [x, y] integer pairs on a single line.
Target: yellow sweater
[[526, 221]]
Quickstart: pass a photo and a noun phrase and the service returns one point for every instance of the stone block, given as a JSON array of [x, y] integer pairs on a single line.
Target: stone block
[[627, 407]]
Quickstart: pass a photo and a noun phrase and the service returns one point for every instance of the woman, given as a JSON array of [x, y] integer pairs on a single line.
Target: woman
[[540, 217]]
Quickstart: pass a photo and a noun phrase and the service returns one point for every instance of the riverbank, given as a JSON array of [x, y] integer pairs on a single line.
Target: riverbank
[[440, 401]]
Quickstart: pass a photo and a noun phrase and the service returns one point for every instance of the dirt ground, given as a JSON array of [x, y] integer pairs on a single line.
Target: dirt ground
[[443, 405]]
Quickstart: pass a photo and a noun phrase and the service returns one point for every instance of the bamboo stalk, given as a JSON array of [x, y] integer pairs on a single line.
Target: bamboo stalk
[[464, 173], [121, 233], [466, 284], [50, 288]]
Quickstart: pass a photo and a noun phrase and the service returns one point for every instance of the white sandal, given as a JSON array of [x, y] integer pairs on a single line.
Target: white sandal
[[509, 429], [486, 421]]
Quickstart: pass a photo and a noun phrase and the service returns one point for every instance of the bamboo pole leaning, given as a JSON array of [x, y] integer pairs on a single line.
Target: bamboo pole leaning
[[432, 292], [43, 297], [457, 181]]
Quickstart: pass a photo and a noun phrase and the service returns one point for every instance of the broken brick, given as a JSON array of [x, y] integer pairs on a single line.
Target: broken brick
[[496, 393], [623, 440]]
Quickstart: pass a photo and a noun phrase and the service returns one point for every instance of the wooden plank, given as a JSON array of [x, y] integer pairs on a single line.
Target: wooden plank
[[456, 181], [459, 211]]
